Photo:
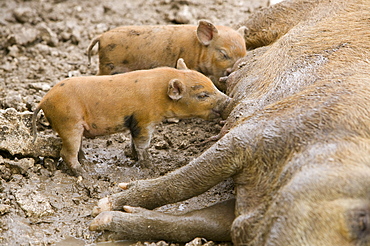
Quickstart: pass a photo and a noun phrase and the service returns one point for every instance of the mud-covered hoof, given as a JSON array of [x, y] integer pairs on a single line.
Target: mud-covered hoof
[[79, 171], [103, 205], [101, 222], [128, 153], [147, 163]]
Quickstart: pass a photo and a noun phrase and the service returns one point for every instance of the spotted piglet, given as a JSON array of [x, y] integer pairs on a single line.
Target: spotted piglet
[[207, 48]]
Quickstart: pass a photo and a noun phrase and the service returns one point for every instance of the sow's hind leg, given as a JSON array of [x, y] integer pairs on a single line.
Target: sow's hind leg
[[136, 223]]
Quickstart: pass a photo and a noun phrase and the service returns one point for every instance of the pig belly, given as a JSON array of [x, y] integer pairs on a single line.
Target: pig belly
[[94, 129]]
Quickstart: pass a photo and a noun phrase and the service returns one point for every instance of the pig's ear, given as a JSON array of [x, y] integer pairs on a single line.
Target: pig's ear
[[244, 31], [181, 64], [175, 89], [206, 31]]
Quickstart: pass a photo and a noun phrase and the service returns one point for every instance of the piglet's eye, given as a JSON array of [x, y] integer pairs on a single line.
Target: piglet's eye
[[202, 96], [224, 55]]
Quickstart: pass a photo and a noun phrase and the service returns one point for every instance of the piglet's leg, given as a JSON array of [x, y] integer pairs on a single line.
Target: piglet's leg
[[215, 165], [139, 147], [70, 151], [81, 154], [212, 223], [140, 138]]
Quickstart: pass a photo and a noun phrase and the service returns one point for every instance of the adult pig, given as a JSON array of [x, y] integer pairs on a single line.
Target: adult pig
[[101, 105], [211, 50], [298, 151], [261, 31]]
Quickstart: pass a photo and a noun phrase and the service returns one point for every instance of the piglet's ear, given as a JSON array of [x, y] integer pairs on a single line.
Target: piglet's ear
[[206, 32], [176, 89], [181, 64], [244, 31]]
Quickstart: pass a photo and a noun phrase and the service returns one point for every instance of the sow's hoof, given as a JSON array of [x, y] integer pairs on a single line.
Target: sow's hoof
[[129, 222], [102, 221], [103, 205]]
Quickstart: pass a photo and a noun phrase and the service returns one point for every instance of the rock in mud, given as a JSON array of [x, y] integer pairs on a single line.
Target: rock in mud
[[25, 35], [16, 139], [40, 86], [26, 15], [182, 14], [13, 51], [18, 166], [196, 242], [33, 203], [4, 209], [47, 35]]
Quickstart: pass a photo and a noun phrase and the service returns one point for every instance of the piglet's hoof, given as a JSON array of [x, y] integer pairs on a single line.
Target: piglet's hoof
[[79, 171], [103, 205], [146, 163]]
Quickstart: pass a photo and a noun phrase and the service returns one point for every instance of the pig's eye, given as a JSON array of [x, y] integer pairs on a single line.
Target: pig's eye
[[224, 55], [202, 96]]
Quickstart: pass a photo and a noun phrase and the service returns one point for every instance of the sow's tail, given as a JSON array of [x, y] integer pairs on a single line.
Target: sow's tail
[[92, 44], [34, 128]]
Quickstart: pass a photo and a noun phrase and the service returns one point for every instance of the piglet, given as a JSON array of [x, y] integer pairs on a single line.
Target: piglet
[[100, 105], [209, 49]]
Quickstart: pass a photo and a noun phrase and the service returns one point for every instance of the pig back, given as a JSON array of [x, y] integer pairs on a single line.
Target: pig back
[[145, 47]]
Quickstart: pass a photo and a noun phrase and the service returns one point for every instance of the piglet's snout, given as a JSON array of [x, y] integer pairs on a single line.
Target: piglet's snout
[[228, 71], [222, 103]]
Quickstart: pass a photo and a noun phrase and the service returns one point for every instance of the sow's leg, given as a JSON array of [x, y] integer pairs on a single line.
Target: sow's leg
[[136, 223], [213, 166]]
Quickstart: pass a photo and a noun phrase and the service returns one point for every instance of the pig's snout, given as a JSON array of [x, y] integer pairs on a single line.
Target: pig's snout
[[221, 106], [221, 83], [228, 71], [223, 79]]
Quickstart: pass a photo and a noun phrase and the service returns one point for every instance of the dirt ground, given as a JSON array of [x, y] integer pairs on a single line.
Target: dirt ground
[[43, 42]]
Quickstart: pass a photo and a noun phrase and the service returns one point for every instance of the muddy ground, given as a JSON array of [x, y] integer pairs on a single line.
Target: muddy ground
[[43, 42]]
